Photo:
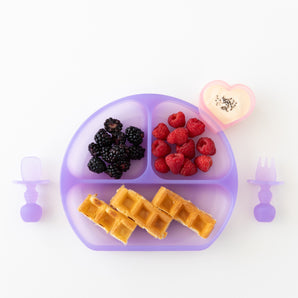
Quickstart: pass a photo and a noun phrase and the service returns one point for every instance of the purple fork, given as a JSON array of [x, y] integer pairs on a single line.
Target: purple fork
[[265, 178]]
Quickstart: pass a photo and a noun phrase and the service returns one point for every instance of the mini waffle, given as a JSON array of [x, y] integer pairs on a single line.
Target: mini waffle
[[112, 221], [184, 211], [148, 217]]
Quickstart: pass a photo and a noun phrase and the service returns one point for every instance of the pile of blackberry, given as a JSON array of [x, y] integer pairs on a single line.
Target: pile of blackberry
[[114, 149]]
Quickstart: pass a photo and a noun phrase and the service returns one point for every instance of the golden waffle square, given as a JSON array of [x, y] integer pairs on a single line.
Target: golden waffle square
[[135, 206], [184, 211], [112, 221]]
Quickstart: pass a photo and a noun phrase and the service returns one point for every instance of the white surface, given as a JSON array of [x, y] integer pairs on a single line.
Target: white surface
[[62, 60]]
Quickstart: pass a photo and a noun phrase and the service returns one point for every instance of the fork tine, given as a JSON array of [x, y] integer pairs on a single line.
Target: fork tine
[[273, 170], [266, 171]]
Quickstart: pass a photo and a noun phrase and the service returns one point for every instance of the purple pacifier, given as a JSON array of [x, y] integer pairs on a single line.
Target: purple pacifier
[[31, 174], [265, 178]]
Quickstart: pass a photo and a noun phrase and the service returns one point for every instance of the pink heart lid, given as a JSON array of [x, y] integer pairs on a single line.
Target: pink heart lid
[[225, 104]]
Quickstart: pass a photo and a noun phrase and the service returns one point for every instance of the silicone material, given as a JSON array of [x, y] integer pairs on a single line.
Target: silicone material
[[265, 178], [31, 174], [214, 192]]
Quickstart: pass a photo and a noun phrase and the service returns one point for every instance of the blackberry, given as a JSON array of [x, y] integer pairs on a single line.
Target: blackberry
[[113, 171], [105, 154], [96, 165], [113, 125], [118, 152], [123, 165], [115, 153], [136, 152], [102, 138], [94, 149], [134, 135], [119, 138]]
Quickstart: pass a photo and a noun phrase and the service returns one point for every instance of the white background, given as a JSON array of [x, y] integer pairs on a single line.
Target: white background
[[60, 61]]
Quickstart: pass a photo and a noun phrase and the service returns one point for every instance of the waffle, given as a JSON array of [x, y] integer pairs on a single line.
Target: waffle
[[112, 221], [148, 217], [184, 211]]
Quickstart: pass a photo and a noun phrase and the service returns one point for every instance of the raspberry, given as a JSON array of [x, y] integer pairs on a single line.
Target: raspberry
[[195, 127], [177, 120], [178, 136], [161, 166], [160, 148], [188, 149], [203, 162], [161, 131], [206, 146], [189, 168], [175, 162]]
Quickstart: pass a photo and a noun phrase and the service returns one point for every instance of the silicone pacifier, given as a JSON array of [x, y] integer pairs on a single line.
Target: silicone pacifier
[[31, 175]]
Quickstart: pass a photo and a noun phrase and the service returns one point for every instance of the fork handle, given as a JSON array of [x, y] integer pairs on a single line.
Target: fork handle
[[265, 194]]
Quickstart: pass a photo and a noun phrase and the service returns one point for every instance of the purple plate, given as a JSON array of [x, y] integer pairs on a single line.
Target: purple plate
[[214, 192]]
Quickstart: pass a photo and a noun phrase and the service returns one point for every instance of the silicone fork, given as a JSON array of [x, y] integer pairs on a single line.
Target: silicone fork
[[31, 174], [265, 178]]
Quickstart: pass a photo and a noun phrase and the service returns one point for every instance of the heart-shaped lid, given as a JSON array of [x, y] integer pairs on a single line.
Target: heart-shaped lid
[[226, 104]]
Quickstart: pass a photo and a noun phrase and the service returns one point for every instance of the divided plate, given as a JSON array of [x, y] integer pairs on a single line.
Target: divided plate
[[214, 192]]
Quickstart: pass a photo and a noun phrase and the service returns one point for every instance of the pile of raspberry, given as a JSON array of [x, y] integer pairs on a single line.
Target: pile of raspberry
[[114, 149], [184, 160]]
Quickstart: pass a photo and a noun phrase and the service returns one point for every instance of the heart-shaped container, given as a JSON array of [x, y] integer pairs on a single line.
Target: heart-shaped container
[[213, 192], [224, 114]]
